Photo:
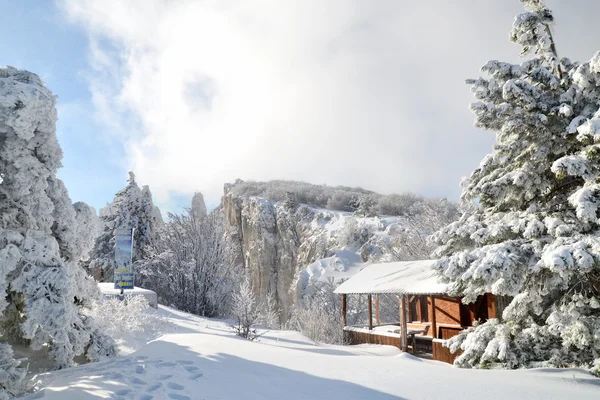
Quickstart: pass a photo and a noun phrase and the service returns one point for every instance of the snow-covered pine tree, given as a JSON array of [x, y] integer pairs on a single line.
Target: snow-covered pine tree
[[131, 208], [146, 223], [45, 290], [366, 206], [531, 231], [290, 203], [88, 227]]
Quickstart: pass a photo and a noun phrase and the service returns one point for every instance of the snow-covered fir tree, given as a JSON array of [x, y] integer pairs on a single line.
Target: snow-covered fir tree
[[88, 227], [366, 207], [132, 207], [44, 289], [531, 231]]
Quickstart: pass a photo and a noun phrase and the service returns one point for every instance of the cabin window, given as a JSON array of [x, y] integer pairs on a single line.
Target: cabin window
[[418, 308]]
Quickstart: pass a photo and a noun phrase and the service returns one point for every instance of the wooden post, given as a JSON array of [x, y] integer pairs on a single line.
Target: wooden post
[[377, 309], [491, 306], [370, 313], [433, 321], [403, 324], [344, 309], [400, 314]]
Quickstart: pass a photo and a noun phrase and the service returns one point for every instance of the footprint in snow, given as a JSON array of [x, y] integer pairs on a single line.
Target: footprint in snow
[[166, 364], [191, 368], [184, 362], [196, 376], [176, 396], [163, 377], [139, 369], [137, 381], [154, 387], [175, 386]]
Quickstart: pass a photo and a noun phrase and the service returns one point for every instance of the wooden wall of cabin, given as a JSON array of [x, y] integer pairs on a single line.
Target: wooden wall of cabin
[[447, 313], [451, 315], [447, 310]]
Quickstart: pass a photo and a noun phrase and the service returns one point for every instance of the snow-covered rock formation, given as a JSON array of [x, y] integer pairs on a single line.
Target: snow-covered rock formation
[[285, 246]]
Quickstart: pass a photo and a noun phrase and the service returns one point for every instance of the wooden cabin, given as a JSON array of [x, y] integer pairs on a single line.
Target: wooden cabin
[[426, 314]]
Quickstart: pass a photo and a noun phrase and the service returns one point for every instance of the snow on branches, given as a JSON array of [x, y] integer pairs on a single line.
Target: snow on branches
[[532, 226], [44, 288]]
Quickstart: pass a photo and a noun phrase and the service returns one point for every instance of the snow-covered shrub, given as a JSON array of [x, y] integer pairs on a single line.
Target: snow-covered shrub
[[319, 314], [130, 315], [11, 376], [353, 234], [268, 316], [530, 228], [245, 311], [248, 311], [367, 207], [421, 219]]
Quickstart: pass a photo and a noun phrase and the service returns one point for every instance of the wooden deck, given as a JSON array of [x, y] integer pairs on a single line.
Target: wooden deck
[[442, 353], [354, 336], [384, 335]]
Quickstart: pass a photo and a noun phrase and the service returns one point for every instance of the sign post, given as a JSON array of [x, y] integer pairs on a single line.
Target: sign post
[[123, 258]]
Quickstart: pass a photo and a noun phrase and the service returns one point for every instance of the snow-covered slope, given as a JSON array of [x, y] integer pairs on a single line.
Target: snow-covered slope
[[201, 359]]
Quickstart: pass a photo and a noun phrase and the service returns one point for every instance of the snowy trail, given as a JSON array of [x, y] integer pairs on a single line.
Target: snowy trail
[[203, 360]]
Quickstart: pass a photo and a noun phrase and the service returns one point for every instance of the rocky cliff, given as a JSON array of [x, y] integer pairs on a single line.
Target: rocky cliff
[[285, 246]]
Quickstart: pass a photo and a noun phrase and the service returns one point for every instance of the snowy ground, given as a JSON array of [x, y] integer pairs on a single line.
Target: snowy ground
[[201, 359]]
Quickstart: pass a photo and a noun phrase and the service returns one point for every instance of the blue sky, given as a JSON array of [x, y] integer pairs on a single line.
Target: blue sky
[[36, 37], [191, 94]]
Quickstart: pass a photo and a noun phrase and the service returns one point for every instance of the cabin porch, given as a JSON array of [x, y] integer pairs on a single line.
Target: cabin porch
[[424, 335], [427, 315], [419, 344]]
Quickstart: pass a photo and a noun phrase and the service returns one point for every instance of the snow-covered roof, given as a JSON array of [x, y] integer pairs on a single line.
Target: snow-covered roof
[[404, 277]]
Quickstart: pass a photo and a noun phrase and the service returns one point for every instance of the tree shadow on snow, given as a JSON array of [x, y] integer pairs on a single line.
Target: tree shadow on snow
[[313, 349], [165, 370]]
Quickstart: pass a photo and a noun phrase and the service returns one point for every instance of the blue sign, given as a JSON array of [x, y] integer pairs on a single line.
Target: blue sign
[[123, 280], [123, 253], [123, 248]]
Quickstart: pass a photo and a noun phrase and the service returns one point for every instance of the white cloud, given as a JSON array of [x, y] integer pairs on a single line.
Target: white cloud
[[345, 92]]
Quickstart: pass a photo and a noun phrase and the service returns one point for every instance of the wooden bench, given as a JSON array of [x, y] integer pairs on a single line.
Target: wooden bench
[[411, 336]]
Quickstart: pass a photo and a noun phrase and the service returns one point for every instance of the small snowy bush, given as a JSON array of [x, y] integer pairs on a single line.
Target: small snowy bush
[[318, 315], [132, 314], [268, 316], [11, 375], [247, 311]]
